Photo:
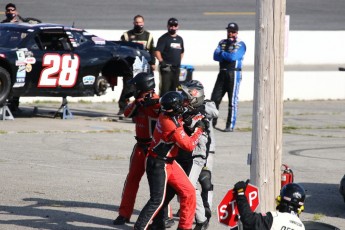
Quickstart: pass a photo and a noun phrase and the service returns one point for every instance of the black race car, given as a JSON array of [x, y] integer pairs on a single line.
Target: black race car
[[54, 60]]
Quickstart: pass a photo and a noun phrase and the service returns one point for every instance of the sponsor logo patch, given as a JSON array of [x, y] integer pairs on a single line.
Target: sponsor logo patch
[[89, 80]]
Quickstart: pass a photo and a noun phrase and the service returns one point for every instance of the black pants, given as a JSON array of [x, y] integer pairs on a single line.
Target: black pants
[[186, 162], [123, 100], [228, 81], [13, 104], [155, 171], [169, 80], [167, 176]]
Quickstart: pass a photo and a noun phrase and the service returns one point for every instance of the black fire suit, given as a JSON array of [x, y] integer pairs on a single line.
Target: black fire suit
[[268, 221]]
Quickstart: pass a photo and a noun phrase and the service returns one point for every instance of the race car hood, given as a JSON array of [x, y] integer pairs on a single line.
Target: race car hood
[[132, 49]]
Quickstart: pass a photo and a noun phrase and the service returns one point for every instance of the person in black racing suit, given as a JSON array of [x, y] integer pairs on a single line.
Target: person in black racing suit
[[138, 35], [145, 110], [290, 205]]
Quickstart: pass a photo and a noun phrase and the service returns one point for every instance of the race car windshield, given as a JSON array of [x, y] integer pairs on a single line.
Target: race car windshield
[[11, 38]]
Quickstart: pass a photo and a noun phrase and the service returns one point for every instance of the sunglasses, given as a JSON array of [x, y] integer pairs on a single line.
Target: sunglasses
[[232, 31], [10, 9], [171, 25]]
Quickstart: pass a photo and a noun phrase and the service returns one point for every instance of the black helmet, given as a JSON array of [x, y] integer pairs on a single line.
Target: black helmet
[[172, 103], [143, 82], [194, 91], [291, 198]]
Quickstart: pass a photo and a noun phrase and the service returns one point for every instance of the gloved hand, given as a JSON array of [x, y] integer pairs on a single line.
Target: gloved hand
[[163, 64], [207, 123], [139, 101], [150, 101], [200, 124], [240, 187], [187, 119]]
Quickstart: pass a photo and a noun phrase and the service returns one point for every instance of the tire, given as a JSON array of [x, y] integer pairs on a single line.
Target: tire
[[5, 85], [101, 85]]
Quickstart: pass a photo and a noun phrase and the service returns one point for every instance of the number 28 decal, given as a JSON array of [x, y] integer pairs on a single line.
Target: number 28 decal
[[60, 70]]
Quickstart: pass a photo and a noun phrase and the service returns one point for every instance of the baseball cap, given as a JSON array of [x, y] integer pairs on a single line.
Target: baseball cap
[[10, 5], [232, 26], [172, 21]]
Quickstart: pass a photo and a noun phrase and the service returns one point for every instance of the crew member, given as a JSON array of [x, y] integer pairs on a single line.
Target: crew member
[[290, 203], [161, 167], [138, 35], [144, 110], [169, 53], [193, 162]]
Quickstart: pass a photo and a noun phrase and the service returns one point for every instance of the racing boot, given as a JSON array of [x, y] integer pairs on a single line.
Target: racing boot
[[228, 129], [228, 126], [177, 214], [169, 222], [120, 220], [201, 226]]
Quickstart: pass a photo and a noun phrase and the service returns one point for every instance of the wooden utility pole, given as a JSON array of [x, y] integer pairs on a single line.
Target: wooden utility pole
[[268, 100]]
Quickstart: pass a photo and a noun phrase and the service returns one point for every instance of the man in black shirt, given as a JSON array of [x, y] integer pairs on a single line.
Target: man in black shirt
[[169, 52]]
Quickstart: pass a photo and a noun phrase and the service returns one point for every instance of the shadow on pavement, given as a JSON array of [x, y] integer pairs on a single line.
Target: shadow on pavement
[[326, 194], [52, 113], [45, 214], [311, 225]]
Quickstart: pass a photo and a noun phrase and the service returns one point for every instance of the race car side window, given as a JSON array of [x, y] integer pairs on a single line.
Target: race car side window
[[38, 43], [54, 40], [79, 38]]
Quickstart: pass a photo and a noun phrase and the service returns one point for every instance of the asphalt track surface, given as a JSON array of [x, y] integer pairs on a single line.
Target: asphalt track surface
[[69, 174], [193, 14]]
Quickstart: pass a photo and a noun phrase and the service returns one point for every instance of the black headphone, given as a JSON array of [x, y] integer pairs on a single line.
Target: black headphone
[[279, 202]]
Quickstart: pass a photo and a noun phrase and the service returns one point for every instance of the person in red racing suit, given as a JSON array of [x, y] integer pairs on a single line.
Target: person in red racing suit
[[161, 167], [290, 205], [144, 110]]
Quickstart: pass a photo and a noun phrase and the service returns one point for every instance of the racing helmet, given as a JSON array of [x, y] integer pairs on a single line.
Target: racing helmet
[[291, 198], [172, 103], [194, 91], [142, 82]]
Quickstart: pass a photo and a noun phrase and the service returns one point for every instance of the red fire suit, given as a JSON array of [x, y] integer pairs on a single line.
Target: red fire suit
[[162, 170], [145, 114]]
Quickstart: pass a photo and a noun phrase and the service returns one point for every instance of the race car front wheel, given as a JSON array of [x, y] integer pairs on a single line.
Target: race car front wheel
[[5, 85], [101, 85]]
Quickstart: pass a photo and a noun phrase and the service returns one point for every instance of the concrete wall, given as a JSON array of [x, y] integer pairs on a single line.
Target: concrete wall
[[321, 51]]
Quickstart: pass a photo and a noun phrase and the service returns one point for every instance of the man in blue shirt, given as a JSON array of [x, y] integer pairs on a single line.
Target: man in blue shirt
[[229, 53]]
